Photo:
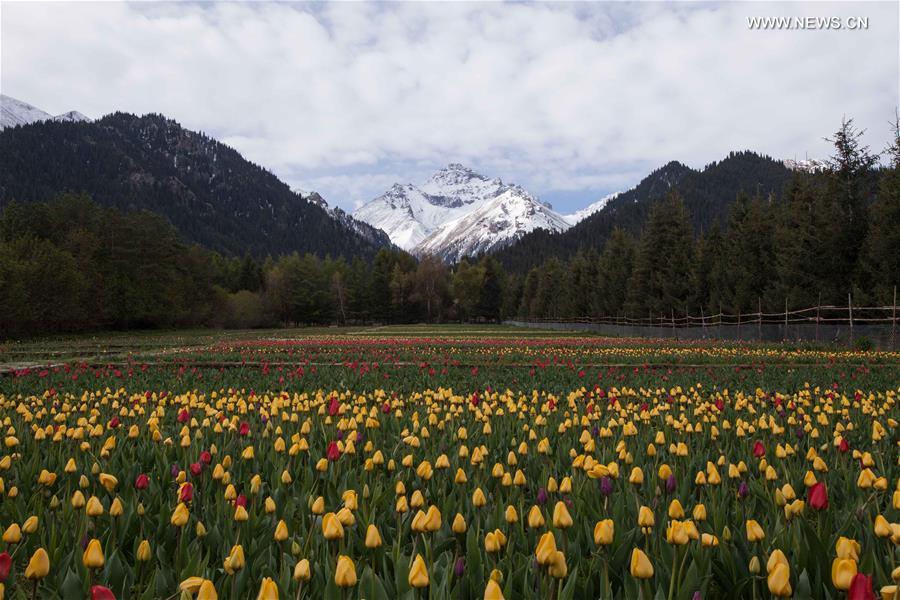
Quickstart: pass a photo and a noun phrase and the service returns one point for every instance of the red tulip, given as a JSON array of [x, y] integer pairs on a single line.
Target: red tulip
[[720, 405], [861, 588], [184, 416], [114, 422], [333, 406], [385, 408], [844, 446], [758, 449], [817, 496], [5, 566], [141, 482], [241, 501], [333, 453], [196, 469], [205, 457], [244, 429], [98, 592], [187, 493]]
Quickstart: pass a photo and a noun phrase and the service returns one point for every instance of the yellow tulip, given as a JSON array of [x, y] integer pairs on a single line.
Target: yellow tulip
[[94, 508], [478, 498], [281, 531], [268, 590], [561, 517], [535, 518], [882, 527], [191, 585], [180, 516], [847, 548], [491, 543], [418, 573], [302, 571], [779, 581], [207, 591], [12, 535], [755, 533], [38, 565], [143, 552], [545, 548], [492, 591], [641, 568], [235, 561], [345, 573], [108, 481], [558, 568], [777, 557], [604, 532], [843, 570], [93, 555], [240, 513], [459, 524], [373, 538], [645, 517]]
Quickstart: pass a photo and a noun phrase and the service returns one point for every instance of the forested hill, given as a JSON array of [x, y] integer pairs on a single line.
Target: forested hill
[[707, 195], [207, 190]]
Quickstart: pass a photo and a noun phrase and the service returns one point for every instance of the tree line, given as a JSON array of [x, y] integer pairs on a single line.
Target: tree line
[[71, 265]]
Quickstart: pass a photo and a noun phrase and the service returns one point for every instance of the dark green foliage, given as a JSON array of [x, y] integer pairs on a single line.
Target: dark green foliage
[[707, 196], [207, 190], [661, 280]]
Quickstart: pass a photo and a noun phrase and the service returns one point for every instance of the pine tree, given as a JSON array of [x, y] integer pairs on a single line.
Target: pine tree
[[661, 281]]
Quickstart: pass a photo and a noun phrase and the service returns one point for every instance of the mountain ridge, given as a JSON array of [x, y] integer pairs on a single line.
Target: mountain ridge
[[206, 189]]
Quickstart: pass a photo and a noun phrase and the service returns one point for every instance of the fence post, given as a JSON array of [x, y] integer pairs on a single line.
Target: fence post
[[759, 318], [785, 319], [720, 320], [739, 336], [850, 308], [674, 334], [703, 320], [818, 307], [894, 319]]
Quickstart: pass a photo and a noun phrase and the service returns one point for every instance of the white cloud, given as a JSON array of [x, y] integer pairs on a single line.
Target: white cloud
[[349, 97]]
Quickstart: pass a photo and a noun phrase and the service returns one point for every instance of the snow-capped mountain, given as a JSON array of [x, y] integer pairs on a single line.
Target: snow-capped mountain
[[15, 112], [578, 216], [457, 212], [809, 165], [492, 225]]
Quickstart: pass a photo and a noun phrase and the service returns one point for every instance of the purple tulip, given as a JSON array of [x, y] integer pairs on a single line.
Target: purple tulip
[[595, 431], [541, 496], [359, 437], [340, 435], [697, 596], [175, 470], [606, 486], [459, 567], [743, 490], [670, 483]]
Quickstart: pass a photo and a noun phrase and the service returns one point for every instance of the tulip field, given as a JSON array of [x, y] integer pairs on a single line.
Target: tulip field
[[446, 463]]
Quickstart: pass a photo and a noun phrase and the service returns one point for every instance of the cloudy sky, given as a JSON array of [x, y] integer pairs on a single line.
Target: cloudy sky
[[570, 100]]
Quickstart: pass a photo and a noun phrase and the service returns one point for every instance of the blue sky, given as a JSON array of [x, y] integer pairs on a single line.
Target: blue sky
[[572, 101]]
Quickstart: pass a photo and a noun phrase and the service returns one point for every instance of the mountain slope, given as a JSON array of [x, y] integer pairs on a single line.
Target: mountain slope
[[491, 226], [15, 112], [206, 189], [451, 214], [708, 195]]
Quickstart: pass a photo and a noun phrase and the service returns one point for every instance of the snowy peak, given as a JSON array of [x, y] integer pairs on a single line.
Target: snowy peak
[[579, 216], [73, 116], [807, 165], [457, 212], [14, 112], [491, 226]]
